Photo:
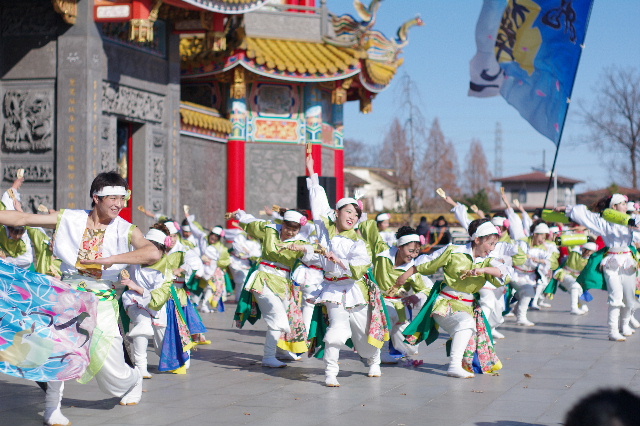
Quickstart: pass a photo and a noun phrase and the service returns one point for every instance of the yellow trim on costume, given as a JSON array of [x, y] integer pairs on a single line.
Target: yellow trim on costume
[[295, 347]]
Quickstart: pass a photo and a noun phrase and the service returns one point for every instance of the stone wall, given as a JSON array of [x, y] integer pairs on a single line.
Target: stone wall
[[272, 172], [203, 179]]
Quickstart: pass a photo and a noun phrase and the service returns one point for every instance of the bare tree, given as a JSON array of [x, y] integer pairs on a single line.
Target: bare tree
[[357, 153], [439, 168], [614, 120], [477, 176]]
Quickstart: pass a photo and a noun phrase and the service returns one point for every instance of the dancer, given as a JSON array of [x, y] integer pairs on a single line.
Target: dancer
[[383, 222], [94, 246], [452, 303], [271, 286], [388, 264], [567, 274], [142, 280], [613, 268], [349, 301]]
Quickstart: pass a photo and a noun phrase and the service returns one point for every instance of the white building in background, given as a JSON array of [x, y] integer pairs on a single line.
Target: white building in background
[[382, 189], [530, 189]]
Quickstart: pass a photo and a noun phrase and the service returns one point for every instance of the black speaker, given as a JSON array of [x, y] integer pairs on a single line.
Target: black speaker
[[327, 182]]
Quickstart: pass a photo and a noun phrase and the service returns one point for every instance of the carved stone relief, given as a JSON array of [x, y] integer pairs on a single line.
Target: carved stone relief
[[158, 173], [28, 120], [42, 172], [158, 140], [129, 102], [157, 205]]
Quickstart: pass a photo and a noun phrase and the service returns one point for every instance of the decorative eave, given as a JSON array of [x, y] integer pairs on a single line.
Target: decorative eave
[[202, 121], [228, 7], [279, 59]]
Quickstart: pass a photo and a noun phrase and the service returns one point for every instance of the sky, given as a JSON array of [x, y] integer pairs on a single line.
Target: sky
[[437, 59]]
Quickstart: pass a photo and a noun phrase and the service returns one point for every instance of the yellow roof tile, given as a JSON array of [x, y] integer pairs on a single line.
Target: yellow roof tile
[[204, 118], [300, 56]]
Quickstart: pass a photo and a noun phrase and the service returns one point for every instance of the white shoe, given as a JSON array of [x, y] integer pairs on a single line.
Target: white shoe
[[387, 358], [577, 312], [510, 314], [534, 307], [544, 304], [133, 395], [54, 417], [374, 371], [496, 334], [272, 362], [458, 372], [525, 322], [205, 310], [627, 331], [633, 322], [617, 337], [287, 356], [331, 382]]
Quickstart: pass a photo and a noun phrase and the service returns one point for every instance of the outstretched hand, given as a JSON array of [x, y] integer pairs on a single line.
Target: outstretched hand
[[310, 164]]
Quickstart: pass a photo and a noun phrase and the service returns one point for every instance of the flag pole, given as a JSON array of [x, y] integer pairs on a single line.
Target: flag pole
[[564, 120]]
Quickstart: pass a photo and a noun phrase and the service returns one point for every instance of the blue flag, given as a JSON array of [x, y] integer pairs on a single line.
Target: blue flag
[[538, 47]]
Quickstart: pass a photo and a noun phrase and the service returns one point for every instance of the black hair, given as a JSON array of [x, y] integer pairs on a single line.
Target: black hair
[[406, 230], [106, 179], [475, 224], [602, 204], [605, 407], [357, 207], [438, 219], [16, 228]]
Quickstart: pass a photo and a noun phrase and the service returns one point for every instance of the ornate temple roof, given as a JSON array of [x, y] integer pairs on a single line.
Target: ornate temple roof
[[202, 120], [280, 59], [221, 6]]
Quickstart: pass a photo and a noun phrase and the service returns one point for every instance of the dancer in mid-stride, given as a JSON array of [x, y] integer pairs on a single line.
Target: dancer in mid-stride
[[94, 247]]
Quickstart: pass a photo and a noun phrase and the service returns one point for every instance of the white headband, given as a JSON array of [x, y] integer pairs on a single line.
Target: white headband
[[343, 202], [156, 235], [171, 227], [617, 199], [631, 206], [382, 217], [217, 230], [541, 228], [590, 246], [406, 239], [186, 228], [554, 229], [487, 228], [498, 221], [111, 190], [292, 216]]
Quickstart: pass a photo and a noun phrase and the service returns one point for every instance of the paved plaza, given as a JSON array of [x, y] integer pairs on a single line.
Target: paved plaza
[[547, 368]]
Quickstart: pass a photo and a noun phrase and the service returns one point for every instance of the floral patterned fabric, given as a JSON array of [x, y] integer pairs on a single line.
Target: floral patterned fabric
[[91, 249], [217, 284], [479, 356], [378, 327], [296, 341]]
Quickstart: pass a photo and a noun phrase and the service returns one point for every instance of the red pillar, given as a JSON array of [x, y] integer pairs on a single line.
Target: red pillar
[[316, 153], [235, 175], [339, 172]]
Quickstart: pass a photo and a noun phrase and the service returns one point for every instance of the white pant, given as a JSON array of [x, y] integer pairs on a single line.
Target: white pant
[[239, 276], [456, 321], [273, 310], [492, 303], [621, 285], [345, 324]]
